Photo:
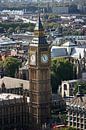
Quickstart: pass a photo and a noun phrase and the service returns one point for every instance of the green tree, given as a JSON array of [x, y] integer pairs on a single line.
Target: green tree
[[31, 28], [17, 29], [12, 27], [10, 30], [1, 64], [10, 66], [61, 69], [82, 87]]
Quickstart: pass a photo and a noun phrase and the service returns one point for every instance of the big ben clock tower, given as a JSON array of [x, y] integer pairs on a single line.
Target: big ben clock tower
[[39, 77]]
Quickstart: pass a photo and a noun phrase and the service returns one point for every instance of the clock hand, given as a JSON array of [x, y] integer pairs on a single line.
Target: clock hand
[[44, 58]]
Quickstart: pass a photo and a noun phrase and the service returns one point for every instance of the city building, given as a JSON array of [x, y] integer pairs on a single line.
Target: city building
[[67, 88], [14, 85], [24, 72], [58, 104], [76, 112], [14, 112], [39, 78], [37, 88], [60, 9], [7, 43], [74, 53]]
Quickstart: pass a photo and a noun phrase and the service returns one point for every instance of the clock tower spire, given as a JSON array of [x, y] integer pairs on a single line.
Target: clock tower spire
[[39, 76], [39, 33]]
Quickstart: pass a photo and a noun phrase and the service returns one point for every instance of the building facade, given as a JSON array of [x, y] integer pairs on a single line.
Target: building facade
[[75, 54], [14, 112], [67, 88], [14, 86], [39, 77], [76, 112], [60, 9]]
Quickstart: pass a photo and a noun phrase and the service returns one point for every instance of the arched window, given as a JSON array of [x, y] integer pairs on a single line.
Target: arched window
[[65, 87]]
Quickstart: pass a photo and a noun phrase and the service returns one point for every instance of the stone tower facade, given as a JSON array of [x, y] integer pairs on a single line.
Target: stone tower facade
[[39, 77]]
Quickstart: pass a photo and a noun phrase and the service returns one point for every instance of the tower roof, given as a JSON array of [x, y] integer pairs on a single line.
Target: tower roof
[[39, 35], [39, 26]]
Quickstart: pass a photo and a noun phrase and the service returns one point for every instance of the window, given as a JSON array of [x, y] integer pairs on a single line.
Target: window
[[34, 110], [65, 87], [78, 120], [74, 124], [77, 124], [81, 125], [12, 108], [70, 118], [12, 119], [81, 120], [74, 119], [5, 120], [70, 123], [85, 126], [17, 118]]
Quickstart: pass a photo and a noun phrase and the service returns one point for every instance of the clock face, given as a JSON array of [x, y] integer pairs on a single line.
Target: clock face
[[44, 58], [33, 59]]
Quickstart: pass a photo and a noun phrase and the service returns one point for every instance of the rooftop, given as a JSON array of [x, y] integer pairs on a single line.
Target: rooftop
[[79, 101], [14, 83], [70, 81], [5, 40]]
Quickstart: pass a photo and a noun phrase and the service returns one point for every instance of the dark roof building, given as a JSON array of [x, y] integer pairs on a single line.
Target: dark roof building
[[14, 112], [76, 112]]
